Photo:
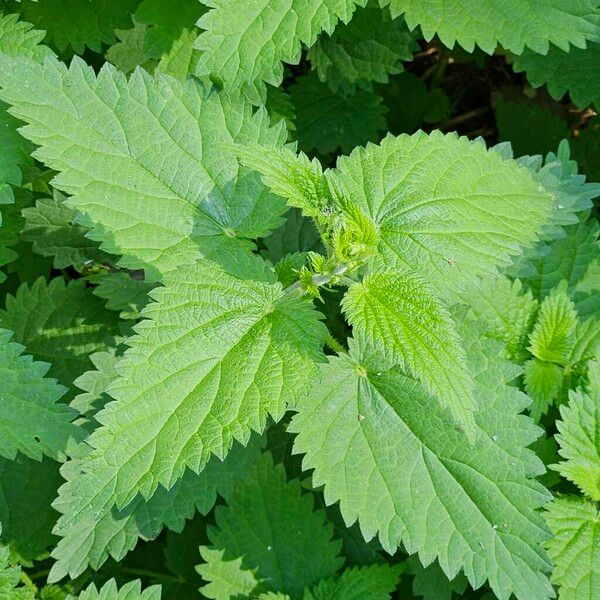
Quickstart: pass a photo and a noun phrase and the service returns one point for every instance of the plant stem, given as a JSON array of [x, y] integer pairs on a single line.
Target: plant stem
[[318, 279], [28, 583], [334, 345], [148, 573]]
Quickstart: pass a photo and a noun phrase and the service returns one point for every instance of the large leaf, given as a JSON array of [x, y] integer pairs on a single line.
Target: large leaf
[[444, 206], [143, 159], [383, 448], [575, 72], [246, 41], [216, 355], [513, 24]]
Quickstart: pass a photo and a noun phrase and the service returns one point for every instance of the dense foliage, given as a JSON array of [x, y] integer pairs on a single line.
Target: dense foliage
[[300, 299]]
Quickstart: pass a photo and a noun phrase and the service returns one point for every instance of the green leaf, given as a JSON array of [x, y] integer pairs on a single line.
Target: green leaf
[[18, 38], [575, 523], [246, 41], [444, 206], [567, 258], [31, 419], [27, 489], [167, 21], [110, 591], [374, 582], [92, 531], [507, 310], [366, 50], [11, 225], [552, 338], [123, 292], [144, 161], [273, 528], [129, 52], [10, 579], [578, 437], [529, 128], [226, 578], [513, 24], [61, 324], [559, 175], [328, 121], [182, 58], [383, 448], [231, 350], [50, 226], [402, 319], [95, 382], [431, 583], [543, 383], [297, 234], [586, 149], [71, 25], [294, 177], [575, 72]]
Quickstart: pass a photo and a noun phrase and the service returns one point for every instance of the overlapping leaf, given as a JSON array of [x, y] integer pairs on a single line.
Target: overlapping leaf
[[31, 419], [384, 449], [513, 24], [246, 41], [144, 161]]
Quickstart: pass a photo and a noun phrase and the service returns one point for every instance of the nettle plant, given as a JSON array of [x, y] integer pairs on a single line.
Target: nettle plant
[[294, 374]]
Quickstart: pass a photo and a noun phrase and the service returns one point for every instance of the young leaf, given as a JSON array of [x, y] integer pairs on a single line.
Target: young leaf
[[10, 579], [246, 41], [226, 579], [271, 525], [383, 448], [507, 309], [31, 419], [445, 206], [543, 382], [513, 24], [575, 523], [578, 438], [375, 582], [552, 338], [398, 314], [144, 159]]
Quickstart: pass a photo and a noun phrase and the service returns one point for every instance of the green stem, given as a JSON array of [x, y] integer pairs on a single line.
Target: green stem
[[149, 574], [28, 583], [39, 574], [334, 345], [318, 280]]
